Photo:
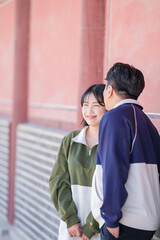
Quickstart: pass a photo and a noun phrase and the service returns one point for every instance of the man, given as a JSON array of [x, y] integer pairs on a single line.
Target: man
[[126, 192]]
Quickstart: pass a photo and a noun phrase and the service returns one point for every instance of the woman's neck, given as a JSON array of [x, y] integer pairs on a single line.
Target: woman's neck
[[92, 136]]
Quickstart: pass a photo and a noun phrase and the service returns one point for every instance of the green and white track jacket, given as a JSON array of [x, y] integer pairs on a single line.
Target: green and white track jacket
[[70, 185]]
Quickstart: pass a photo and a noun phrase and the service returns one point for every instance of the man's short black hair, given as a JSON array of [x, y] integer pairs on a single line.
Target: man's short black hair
[[127, 81]]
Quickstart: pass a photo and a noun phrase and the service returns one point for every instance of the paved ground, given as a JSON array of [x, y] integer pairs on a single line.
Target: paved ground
[[156, 238], [5, 236], [5, 231]]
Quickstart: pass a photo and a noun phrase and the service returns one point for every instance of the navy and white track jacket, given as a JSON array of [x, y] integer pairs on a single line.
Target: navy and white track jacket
[[126, 185]]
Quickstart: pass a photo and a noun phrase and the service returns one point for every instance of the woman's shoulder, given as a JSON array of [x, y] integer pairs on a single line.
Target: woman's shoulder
[[67, 139], [72, 134]]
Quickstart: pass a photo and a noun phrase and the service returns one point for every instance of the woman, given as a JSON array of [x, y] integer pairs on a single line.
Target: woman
[[71, 177]]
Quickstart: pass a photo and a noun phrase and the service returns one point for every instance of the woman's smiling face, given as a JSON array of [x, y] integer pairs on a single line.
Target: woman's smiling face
[[92, 111]]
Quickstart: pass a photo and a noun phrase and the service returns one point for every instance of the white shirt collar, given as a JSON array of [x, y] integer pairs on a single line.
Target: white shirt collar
[[128, 100], [81, 137]]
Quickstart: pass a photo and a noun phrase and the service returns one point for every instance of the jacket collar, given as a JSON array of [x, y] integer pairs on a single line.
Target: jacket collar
[[81, 137], [128, 100]]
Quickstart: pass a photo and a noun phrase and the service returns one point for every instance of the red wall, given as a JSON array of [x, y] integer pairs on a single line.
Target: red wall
[[54, 59], [6, 57], [58, 39], [133, 36]]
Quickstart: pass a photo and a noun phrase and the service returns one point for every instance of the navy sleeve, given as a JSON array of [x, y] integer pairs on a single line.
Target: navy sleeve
[[114, 155]]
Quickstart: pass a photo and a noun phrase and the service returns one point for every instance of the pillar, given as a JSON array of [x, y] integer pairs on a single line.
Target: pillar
[[91, 47], [20, 91]]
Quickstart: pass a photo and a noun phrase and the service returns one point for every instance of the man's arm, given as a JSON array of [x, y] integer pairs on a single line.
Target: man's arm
[[114, 154]]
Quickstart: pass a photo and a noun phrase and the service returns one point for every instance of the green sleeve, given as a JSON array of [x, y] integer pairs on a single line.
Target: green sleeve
[[60, 186], [91, 227]]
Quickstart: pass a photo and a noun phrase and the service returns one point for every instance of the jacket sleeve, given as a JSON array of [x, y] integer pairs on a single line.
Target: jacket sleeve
[[91, 227], [60, 186], [114, 154]]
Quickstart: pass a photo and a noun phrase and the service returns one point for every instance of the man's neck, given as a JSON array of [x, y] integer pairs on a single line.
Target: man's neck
[[115, 100]]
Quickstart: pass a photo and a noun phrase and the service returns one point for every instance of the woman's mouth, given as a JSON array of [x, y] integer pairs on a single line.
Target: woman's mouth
[[91, 117]]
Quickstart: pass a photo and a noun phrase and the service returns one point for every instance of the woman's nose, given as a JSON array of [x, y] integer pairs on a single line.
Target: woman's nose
[[90, 110]]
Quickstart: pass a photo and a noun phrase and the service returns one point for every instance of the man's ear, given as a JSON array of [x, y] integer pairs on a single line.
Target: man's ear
[[109, 91]]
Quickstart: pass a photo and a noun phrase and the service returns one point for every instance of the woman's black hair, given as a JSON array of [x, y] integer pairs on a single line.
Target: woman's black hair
[[97, 90]]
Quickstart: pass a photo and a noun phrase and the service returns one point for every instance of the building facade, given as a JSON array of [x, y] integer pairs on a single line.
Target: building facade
[[50, 52]]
